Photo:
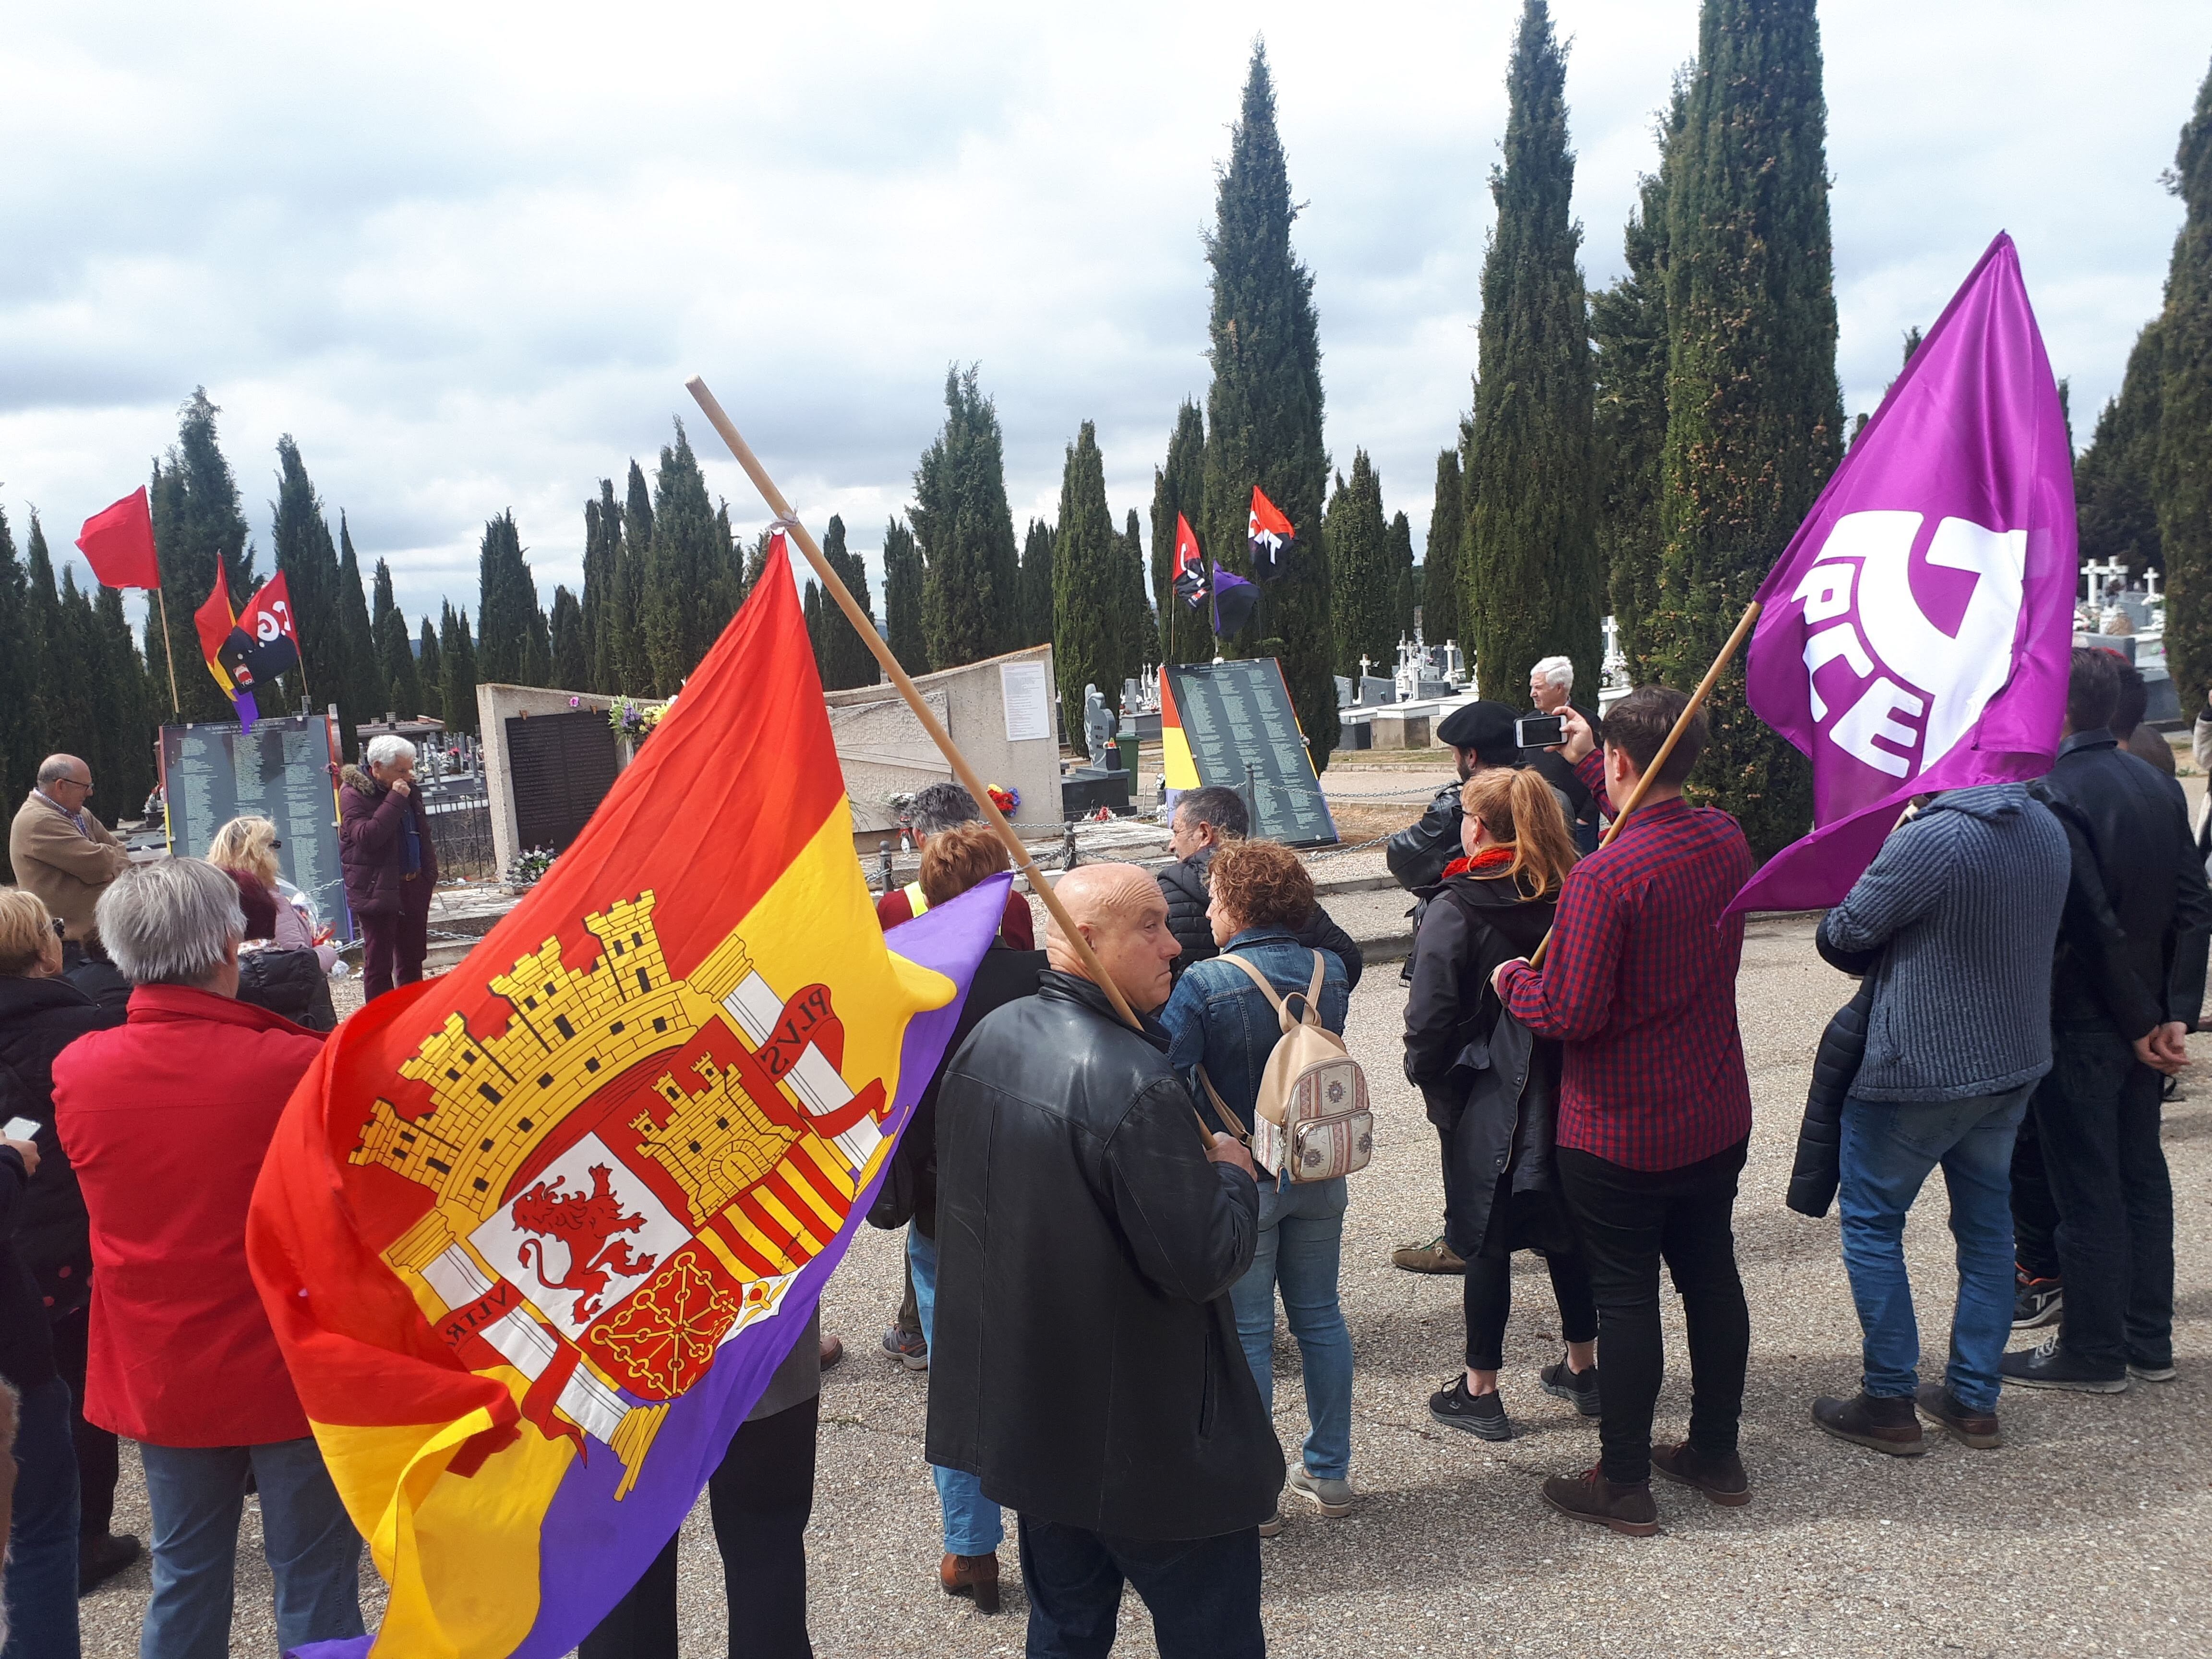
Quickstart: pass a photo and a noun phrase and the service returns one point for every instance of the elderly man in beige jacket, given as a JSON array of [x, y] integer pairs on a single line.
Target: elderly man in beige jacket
[[61, 852]]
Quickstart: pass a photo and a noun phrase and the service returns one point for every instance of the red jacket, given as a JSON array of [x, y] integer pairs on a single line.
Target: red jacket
[[166, 1119]]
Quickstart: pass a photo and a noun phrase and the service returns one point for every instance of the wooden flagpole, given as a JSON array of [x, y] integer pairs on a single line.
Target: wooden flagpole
[[866, 628], [1682, 724], [176, 705]]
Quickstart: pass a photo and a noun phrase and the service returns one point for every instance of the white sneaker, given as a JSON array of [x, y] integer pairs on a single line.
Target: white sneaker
[[1332, 1498]]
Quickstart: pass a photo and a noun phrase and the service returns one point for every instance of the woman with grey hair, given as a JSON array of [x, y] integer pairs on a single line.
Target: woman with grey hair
[[389, 865], [167, 1119]]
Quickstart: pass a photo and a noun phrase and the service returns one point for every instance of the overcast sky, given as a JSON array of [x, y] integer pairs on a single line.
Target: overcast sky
[[467, 254]]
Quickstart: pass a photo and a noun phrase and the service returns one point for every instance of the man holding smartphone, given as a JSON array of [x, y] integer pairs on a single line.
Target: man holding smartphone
[[1551, 686]]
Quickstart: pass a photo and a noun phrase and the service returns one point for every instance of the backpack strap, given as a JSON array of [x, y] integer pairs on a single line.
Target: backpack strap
[[1313, 991], [1236, 1123], [1280, 1005]]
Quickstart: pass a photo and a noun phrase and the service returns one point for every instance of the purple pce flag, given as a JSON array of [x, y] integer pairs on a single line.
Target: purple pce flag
[[1915, 634]]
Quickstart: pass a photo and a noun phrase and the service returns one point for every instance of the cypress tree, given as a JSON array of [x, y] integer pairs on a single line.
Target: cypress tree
[[1036, 584], [1140, 634], [1440, 558], [20, 737], [631, 660], [1398, 552], [431, 669], [457, 664], [309, 559], [571, 663], [366, 687], [1179, 488], [78, 727], [395, 647], [198, 532], [757, 560], [846, 658], [602, 560], [2118, 511], [1628, 324], [48, 674], [123, 708], [812, 607], [1086, 643], [1532, 585], [1263, 409], [2182, 475], [970, 575], [510, 626], [1366, 587], [683, 568], [1754, 414], [902, 586], [730, 589]]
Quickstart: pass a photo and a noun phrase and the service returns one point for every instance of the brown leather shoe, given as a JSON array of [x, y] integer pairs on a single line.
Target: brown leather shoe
[[1721, 1479], [1590, 1497], [1941, 1408], [1883, 1426], [1434, 1257], [833, 1350], [971, 1575]]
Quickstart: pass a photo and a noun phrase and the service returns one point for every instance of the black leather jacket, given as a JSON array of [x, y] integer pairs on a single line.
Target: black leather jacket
[[1183, 884], [1489, 1083], [2138, 922], [1417, 855], [1086, 1366]]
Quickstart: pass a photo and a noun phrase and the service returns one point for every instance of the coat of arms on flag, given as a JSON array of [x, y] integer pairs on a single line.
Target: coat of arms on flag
[[534, 1236]]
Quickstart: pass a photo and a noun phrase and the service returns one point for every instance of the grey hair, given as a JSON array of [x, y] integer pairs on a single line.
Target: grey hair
[[1559, 670], [170, 923], [940, 807], [55, 767], [386, 748]]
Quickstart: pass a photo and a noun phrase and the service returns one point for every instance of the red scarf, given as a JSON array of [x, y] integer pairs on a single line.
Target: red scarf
[[1489, 861]]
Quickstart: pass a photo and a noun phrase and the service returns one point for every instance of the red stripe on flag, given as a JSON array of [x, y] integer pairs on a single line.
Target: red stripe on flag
[[742, 1248]]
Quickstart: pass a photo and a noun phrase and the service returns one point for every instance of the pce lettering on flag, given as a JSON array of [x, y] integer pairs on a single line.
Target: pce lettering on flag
[[533, 1235]]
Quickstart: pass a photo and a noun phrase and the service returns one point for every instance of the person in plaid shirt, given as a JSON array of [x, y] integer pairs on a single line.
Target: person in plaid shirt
[[1638, 985]]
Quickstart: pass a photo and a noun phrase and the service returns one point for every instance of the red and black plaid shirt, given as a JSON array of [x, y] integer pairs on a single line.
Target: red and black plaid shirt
[[1639, 984]]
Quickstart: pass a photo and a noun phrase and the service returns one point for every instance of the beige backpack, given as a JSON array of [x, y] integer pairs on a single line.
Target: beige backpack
[[1311, 1114]]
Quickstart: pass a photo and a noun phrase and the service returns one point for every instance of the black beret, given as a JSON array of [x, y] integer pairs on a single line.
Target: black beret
[[1485, 727]]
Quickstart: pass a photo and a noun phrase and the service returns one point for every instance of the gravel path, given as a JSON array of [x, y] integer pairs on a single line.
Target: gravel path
[[2085, 1535]]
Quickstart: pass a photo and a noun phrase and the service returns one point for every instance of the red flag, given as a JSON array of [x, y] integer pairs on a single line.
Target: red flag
[[269, 646], [1190, 566], [1272, 538], [213, 621], [117, 541]]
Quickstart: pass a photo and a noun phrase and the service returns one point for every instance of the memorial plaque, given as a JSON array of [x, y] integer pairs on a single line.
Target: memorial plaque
[[1219, 720], [281, 771]]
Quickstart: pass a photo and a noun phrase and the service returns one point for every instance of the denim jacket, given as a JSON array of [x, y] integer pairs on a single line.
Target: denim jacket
[[1218, 1014]]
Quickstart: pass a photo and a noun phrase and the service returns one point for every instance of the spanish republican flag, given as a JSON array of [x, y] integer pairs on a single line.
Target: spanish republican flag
[[534, 1235]]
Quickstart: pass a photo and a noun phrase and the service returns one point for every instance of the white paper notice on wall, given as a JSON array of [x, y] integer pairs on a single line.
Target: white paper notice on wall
[[1027, 696]]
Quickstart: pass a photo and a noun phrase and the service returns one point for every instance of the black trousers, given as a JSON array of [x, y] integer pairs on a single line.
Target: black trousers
[[1203, 1593], [1488, 1299], [98, 1463], [1629, 1221], [2034, 1206], [761, 1497], [2097, 1115]]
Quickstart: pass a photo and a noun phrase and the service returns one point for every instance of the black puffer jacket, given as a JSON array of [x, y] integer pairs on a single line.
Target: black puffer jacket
[[39, 1018], [1086, 1366], [289, 982], [1819, 1168], [1183, 884], [2131, 948], [1488, 1084]]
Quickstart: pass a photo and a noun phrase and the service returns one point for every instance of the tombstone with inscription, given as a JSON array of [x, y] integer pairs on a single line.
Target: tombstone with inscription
[[281, 771], [1099, 726], [1233, 724]]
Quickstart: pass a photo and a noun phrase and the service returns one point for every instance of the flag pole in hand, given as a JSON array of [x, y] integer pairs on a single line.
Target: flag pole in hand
[[1682, 724], [865, 627]]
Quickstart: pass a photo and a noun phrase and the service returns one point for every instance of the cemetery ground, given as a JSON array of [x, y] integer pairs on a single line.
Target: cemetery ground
[[2087, 1533]]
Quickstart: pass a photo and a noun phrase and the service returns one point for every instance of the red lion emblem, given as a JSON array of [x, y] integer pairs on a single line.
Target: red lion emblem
[[586, 1224]]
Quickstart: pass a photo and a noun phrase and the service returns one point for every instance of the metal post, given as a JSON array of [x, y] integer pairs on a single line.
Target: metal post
[[1068, 848], [884, 853]]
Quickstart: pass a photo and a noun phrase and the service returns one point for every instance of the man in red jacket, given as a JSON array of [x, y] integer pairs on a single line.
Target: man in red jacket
[[1638, 987], [166, 1119]]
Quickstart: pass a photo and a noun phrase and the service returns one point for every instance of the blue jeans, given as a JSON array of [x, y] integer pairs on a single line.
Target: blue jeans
[[973, 1525], [1203, 1593], [198, 1494], [1301, 1239], [1888, 1149], [42, 1541]]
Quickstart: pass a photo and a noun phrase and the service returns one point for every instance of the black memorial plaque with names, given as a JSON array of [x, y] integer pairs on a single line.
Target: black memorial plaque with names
[[281, 771], [1236, 714]]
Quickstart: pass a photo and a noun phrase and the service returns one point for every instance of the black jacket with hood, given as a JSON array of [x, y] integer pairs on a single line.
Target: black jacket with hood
[[1183, 884]]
